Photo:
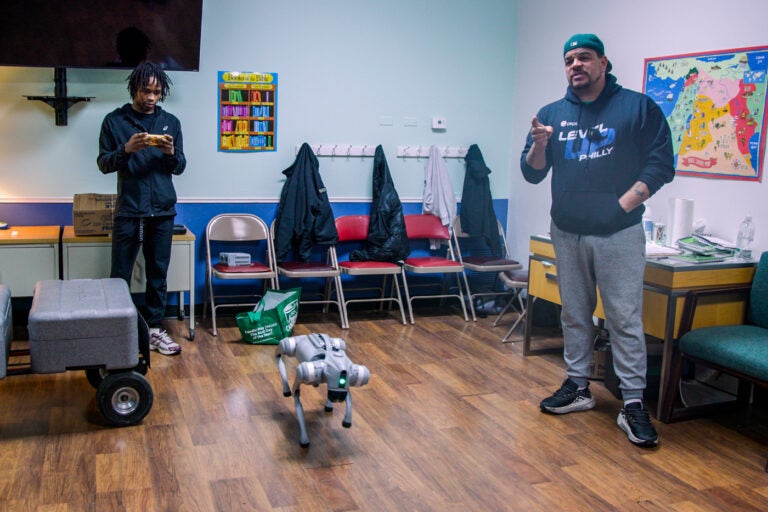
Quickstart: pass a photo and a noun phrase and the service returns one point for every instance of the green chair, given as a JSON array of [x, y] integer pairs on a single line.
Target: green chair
[[737, 350]]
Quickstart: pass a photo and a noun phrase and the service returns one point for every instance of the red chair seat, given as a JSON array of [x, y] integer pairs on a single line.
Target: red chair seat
[[304, 266], [375, 267], [433, 263], [253, 268]]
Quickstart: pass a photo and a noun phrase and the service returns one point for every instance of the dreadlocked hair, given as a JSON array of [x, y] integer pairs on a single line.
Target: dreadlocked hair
[[142, 75]]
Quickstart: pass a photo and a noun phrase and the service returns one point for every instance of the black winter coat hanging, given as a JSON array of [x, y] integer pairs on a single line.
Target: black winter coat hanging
[[477, 215], [304, 215], [387, 238]]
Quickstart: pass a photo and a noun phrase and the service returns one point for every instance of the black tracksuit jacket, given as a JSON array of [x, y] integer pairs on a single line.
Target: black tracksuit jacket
[[144, 178]]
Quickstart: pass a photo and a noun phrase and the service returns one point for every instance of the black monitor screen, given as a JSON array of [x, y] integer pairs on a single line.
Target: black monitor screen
[[101, 33]]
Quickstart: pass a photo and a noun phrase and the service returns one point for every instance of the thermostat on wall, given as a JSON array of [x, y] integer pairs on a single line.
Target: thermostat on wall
[[439, 123]]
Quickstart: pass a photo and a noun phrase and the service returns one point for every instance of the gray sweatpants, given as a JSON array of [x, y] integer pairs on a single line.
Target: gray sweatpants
[[615, 264]]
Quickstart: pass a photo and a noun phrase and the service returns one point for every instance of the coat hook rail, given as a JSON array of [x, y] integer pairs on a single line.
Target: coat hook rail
[[343, 150], [423, 151]]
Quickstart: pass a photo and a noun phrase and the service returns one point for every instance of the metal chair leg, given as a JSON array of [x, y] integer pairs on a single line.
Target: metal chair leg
[[523, 313]]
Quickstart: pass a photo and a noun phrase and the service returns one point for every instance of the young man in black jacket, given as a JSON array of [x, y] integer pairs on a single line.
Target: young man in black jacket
[[609, 150], [142, 143]]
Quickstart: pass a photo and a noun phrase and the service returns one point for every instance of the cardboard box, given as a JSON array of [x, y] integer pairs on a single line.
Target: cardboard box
[[92, 213]]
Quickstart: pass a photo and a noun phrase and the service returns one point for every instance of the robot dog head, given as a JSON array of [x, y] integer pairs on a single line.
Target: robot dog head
[[337, 371], [324, 360], [341, 373]]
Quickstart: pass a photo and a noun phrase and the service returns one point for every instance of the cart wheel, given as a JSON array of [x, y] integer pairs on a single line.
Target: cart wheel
[[96, 376], [124, 398]]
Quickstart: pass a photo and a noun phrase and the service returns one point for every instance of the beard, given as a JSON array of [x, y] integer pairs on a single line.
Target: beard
[[585, 82]]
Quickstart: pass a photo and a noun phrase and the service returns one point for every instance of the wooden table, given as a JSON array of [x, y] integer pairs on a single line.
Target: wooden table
[[666, 282]]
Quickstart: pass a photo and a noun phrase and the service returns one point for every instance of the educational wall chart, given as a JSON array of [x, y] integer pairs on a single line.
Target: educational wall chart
[[247, 111], [715, 103]]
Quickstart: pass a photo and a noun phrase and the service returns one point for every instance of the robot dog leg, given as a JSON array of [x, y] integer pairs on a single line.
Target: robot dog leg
[[322, 360]]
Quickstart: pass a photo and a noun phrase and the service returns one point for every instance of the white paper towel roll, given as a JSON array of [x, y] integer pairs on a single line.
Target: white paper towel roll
[[680, 224]]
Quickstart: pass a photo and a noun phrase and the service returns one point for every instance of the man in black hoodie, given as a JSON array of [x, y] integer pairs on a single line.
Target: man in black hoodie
[[609, 150], [142, 143]]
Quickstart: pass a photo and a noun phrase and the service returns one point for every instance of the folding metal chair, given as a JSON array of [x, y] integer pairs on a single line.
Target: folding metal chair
[[328, 270], [517, 282], [354, 228], [244, 232], [480, 260], [425, 228]]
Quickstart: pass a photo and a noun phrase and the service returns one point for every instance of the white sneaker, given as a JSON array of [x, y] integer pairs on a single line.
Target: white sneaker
[[160, 341]]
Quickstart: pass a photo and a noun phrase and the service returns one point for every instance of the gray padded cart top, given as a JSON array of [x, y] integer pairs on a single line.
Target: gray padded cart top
[[82, 323]]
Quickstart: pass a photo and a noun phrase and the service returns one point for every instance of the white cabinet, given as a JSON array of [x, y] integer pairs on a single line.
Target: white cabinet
[[91, 256], [28, 254]]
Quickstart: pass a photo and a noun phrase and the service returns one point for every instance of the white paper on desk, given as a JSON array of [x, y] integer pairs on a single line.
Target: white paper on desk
[[654, 250]]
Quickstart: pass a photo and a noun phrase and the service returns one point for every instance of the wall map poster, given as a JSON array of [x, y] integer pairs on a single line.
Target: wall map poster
[[715, 104], [247, 111]]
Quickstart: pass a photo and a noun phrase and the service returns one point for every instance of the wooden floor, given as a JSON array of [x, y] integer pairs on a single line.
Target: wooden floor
[[449, 422]]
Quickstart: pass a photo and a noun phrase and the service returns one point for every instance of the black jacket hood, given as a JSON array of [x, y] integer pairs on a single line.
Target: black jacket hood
[[611, 87]]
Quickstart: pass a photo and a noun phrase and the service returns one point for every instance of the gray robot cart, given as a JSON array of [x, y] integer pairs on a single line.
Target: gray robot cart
[[91, 325]]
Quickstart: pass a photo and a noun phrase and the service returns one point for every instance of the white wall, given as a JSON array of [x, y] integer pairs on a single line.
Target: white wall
[[631, 31], [487, 66], [342, 65]]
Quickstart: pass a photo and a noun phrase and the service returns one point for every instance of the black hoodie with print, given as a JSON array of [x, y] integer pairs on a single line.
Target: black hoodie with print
[[597, 152]]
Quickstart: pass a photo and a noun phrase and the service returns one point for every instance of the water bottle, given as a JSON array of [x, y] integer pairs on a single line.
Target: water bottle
[[745, 238], [648, 228]]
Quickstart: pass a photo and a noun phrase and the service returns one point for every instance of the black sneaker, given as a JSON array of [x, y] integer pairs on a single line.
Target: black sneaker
[[636, 422], [569, 398]]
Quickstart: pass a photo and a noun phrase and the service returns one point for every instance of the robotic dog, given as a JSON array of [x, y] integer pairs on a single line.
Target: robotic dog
[[322, 359]]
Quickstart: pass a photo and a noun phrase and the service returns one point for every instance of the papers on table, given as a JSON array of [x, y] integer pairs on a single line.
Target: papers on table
[[699, 245], [717, 242], [654, 250], [700, 258]]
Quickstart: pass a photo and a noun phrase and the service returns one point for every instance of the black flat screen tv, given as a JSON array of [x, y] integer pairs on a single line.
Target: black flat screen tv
[[101, 33]]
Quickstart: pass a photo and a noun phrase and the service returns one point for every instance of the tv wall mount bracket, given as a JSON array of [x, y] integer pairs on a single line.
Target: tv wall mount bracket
[[60, 101]]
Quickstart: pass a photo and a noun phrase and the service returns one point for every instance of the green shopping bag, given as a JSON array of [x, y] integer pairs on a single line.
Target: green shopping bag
[[272, 319]]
